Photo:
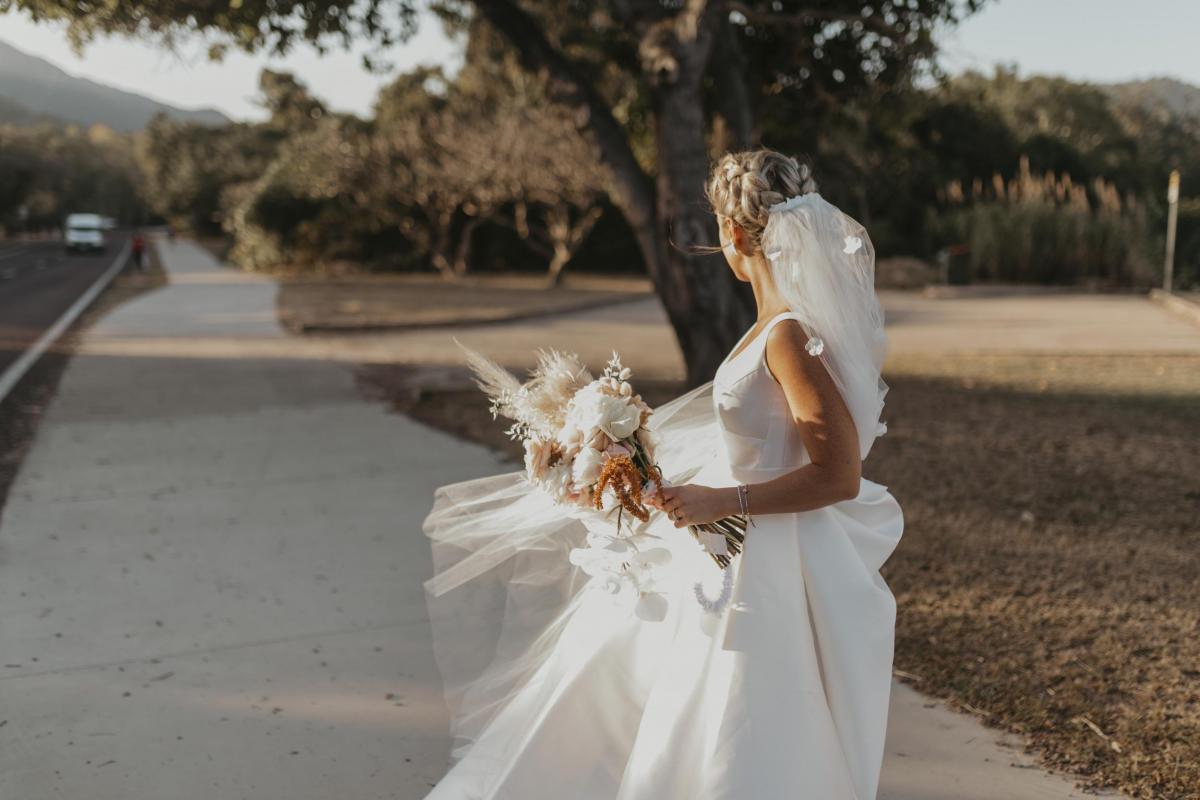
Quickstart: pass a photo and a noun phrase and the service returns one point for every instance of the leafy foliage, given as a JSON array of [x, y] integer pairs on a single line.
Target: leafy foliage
[[50, 171], [309, 189], [187, 167], [500, 153]]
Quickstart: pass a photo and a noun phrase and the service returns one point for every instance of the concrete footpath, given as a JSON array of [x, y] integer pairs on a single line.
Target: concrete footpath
[[211, 571]]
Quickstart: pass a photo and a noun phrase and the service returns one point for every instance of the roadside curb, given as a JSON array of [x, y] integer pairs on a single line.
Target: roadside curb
[[12, 376], [1187, 309], [941, 291]]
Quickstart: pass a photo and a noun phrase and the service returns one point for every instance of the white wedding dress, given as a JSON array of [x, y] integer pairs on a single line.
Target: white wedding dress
[[782, 694]]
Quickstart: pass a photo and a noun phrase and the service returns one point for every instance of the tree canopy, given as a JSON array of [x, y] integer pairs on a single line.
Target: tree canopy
[[658, 88]]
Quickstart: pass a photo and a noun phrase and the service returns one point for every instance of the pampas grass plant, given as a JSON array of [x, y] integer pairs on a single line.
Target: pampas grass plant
[[1047, 229]]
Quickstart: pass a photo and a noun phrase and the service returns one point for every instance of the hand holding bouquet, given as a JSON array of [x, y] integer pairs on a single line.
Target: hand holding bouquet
[[586, 441]]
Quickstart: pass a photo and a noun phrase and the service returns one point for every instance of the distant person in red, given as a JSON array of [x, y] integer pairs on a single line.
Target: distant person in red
[[139, 250]]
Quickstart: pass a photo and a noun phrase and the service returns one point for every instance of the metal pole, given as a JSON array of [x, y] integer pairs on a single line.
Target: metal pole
[[1172, 215]]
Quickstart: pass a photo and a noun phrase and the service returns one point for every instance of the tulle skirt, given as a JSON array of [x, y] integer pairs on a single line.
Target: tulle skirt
[[557, 691]]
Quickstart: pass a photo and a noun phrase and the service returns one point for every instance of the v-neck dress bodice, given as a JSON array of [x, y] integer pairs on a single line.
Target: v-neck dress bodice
[[761, 439]]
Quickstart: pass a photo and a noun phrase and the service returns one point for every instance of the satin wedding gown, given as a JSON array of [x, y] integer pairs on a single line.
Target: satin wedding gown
[[782, 694]]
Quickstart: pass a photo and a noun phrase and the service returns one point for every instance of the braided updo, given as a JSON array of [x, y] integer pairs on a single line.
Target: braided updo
[[745, 185]]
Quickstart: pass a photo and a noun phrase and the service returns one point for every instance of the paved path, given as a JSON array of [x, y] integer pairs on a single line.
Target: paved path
[[1050, 321], [1057, 322], [211, 568]]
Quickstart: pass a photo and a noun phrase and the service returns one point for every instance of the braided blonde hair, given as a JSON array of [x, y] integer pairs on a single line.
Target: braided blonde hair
[[744, 186]]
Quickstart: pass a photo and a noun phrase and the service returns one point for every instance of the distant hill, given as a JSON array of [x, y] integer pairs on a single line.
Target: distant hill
[[1179, 98], [14, 113], [33, 89]]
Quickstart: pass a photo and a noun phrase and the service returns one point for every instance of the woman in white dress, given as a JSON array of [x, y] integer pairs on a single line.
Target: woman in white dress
[[769, 679]]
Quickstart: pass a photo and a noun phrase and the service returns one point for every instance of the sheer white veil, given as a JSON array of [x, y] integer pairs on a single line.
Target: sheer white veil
[[503, 590], [823, 263]]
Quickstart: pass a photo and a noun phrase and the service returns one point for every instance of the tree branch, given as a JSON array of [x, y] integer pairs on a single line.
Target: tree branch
[[568, 86], [807, 15]]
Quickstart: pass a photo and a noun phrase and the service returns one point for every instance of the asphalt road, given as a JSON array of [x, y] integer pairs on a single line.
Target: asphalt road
[[38, 282]]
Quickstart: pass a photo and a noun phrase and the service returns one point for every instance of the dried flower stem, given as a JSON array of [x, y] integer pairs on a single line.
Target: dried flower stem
[[626, 481]]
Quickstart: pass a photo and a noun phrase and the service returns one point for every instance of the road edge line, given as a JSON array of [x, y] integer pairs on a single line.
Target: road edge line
[[12, 376]]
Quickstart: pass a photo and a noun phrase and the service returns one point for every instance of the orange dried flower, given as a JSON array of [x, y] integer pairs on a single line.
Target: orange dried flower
[[623, 475]]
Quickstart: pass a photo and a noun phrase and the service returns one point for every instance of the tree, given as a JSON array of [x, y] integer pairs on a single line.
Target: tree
[[48, 171], [519, 156], [289, 102], [689, 74], [186, 167], [1063, 126]]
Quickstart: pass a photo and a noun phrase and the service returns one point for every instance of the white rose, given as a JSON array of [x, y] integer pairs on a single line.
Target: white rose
[[600, 441], [588, 464], [592, 408], [621, 419]]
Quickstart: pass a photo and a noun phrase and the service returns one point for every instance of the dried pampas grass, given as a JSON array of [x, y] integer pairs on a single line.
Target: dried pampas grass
[[537, 406], [552, 384]]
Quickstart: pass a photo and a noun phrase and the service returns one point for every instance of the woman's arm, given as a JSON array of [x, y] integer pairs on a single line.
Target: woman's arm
[[825, 427]]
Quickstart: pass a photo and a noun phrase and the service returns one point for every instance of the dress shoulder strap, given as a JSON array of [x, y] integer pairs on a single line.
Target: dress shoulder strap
[[814, 346], [775, 321], [779, 318]]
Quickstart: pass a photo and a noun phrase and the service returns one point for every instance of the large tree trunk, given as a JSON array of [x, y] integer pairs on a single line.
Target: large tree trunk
[[709, 311], [696, 291], [732, 95]]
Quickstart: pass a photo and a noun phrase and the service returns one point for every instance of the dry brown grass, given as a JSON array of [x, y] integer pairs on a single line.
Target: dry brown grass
[[1049, 568], [375, 302], [1048, 573]]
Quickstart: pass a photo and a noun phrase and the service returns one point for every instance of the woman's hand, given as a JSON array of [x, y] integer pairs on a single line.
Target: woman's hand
[[692, 504]]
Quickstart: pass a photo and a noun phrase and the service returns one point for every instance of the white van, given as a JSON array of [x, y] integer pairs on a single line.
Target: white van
[[84, 232]]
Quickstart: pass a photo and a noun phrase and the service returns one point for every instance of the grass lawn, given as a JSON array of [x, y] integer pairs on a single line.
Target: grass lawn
[[366, 302], [1047, 580]]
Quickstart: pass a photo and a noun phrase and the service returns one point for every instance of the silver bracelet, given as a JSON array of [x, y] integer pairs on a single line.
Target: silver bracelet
[[744, 502]]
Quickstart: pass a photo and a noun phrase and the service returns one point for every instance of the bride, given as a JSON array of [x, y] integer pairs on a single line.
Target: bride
[[768, 679]]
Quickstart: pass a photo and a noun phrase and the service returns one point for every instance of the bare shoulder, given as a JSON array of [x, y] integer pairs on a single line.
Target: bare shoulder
[[787, 332], [787, 357]]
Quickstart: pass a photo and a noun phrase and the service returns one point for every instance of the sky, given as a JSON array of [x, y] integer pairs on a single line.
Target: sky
[[188, 79], [1095, 40]]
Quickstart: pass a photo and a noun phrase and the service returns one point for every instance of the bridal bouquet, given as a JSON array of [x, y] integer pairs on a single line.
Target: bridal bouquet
[[587, 445]]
